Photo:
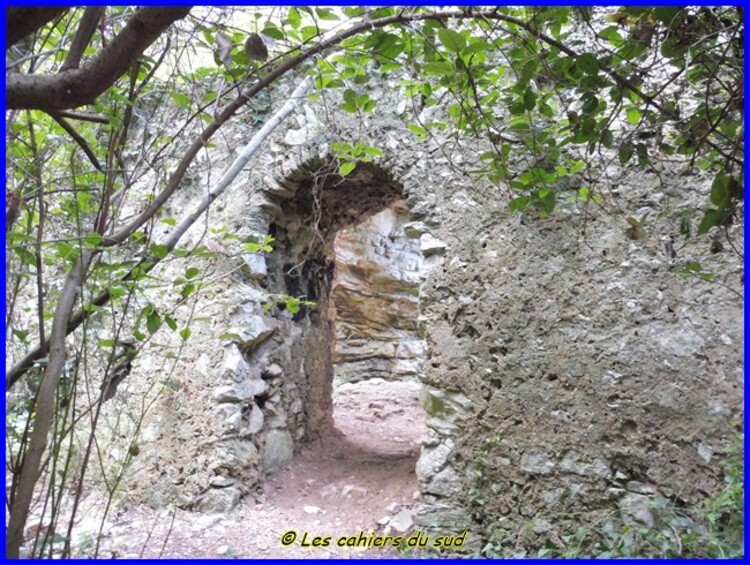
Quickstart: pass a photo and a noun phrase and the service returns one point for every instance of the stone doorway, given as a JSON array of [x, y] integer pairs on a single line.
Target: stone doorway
[[350, 363], [341, 243], [377, 351]]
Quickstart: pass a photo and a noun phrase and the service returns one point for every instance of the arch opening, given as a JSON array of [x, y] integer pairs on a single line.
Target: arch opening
[[355, 355]]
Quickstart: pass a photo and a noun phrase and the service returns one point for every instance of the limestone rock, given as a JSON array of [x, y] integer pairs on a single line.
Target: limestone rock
[[296, 136], [218, 500], [442, 516], [374, 298], [255, 422], [430, 245], [636, 509], [239, 392], [536, 463], [220, 481], [234, 364], [255, 265], [254, 333], [445, 483], [402, 521], [278, 450], [432, 461], [414, 230]]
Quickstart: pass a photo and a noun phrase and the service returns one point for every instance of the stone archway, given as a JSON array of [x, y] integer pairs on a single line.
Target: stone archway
[[319, 205]]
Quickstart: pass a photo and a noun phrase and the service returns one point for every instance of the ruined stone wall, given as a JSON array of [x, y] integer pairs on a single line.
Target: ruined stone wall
[[567, 367]]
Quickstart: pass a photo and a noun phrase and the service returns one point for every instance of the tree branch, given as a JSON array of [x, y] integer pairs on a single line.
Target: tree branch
[[20, 22], [45, 405], [78, 87], [84, 117], [82, 143], [86, 29]]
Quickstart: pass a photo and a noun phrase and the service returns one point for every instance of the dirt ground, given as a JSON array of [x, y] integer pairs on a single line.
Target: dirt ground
[[358, 479]]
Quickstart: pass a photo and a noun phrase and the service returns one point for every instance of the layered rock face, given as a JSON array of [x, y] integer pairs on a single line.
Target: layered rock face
[[374, 300]]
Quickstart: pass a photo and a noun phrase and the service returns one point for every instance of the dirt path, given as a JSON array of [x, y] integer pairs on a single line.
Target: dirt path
[[360, 478]]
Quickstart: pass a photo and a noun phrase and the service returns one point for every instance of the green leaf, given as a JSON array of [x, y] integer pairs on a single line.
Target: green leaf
[[153, 321], [159, 250], [175, 386], [169, 320], [451, 40], [373, 152], [420, 132], [439, 68], [666, 14], [64, 249], [634, 116], [529, 99], [347, 168], [182, 100], [106, 343], [720, 190], [587, 63], [625, 153], [642, 151], [185, 334], [187, 290], [291, 304], [326, 14], [192, 272], [273, 32], [169, 221], [229, 335], [293, 18], [518, 204], [350, 97], [710, 219], [92, 240]]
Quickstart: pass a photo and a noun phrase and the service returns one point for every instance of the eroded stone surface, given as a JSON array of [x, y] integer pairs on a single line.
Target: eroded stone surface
[[374, 300]]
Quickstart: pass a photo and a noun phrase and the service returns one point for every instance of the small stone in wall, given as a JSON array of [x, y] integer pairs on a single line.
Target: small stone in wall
[[414, 230], [218, 500], [255, 333], [636, 508], [430, 245], [240, 391], [255, 423], [272, 371], [234, 364], [255, 265], [536, 464], [278, 450], [445, 483], [220, 481], [296, 136]]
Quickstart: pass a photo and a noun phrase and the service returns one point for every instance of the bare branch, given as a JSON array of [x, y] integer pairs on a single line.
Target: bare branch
[[86, 28], [84, 117], [20, 22], [82, 143]]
